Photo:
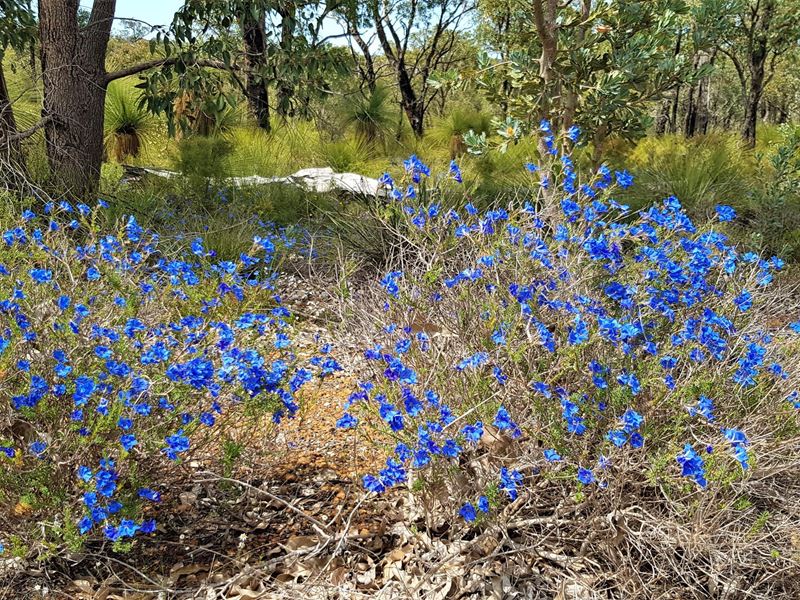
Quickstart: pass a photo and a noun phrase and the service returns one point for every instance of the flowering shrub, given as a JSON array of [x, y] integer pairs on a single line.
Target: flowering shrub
[[118, 359], [570, 340]]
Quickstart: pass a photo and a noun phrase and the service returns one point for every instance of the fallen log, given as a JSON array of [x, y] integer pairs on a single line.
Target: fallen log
[[318, 180]]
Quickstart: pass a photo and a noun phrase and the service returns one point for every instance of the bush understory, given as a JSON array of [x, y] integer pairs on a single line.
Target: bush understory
[[619, 384], [573, 386]]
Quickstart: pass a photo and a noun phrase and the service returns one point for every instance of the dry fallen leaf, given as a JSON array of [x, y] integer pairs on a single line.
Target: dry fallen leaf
[[22, 509], [179, 570], [298, 542], [82, 588], [244, 593]]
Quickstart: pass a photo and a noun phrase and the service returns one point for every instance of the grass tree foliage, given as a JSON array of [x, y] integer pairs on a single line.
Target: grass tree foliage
[[128, 126]]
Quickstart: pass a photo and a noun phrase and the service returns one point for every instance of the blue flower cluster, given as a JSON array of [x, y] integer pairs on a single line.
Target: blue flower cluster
[[570, 325], [119, 352]]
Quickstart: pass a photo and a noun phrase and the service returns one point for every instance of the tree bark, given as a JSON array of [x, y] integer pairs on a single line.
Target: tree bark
[[74, 78], [285, 87], [412, 105], [31, 45], [690, 120], [665, 116], [757, 62], [256, 90], [544, 18], [704, 100], [11, 159], [676, 101], [570, 96], [503, 28], [694, 108], [369, 76]]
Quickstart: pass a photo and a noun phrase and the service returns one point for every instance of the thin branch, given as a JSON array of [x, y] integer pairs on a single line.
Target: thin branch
[[23, 135], [320, 527], [738, 66], [160, 62]]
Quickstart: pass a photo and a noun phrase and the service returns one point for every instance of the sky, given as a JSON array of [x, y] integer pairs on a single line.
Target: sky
[[155, 12]]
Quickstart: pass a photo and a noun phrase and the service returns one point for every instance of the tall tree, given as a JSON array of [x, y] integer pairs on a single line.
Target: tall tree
[[417, 38], [354, 23], [257, 44], [16, 31], [75, 79], [254, 35], [754, 34], [600, 64]]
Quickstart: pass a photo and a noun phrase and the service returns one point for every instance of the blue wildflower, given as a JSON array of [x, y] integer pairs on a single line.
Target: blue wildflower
[[41, 275], [509, 482], [725, 213], [468, 512], [347, 421], [624, 179], [551, 455], [692, 465], [585, 476]]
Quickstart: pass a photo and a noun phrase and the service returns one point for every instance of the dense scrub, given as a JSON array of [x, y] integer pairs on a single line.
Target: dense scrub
[[121, 359], [552, 375], [625, 383]]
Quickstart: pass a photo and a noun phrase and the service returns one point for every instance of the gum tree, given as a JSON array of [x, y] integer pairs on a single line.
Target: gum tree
[[17, 30], [754, 34], [417, 38], [75, 80], [599, 64]]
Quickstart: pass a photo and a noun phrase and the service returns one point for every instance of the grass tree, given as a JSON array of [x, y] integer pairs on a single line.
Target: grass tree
[[417, 39], [128, 125], [370, 115], [451, 129]]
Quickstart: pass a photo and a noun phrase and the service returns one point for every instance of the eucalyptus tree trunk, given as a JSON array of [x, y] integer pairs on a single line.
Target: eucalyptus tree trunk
[[412, 104], [369, 76], [74, 79], [286, 90], [570, 95], [545, 13], [696, 114], [255, 44], [10, 152], [13, 170], [757, 65], [669, 107]]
